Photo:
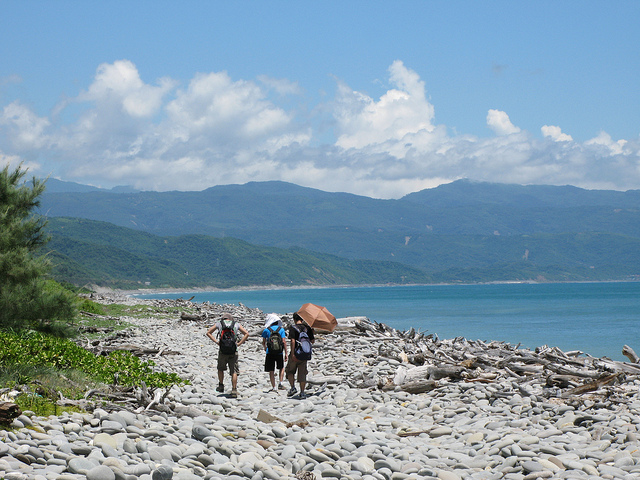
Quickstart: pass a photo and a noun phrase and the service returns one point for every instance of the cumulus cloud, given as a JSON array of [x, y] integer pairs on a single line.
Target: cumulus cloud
[[362, 121], [119, 84], [231, 112], [24, 129], [499, 122], [555, 133], [614, 148], [215, 129]]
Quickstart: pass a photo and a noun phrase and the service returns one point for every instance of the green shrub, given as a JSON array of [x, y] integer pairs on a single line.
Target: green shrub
[[122, 368], [89, 306]]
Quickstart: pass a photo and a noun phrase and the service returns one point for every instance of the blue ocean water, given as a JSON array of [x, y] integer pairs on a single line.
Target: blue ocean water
[[596, 318]]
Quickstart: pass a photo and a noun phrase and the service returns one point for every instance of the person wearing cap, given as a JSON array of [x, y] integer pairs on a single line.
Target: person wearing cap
[[228, 360], [296, 365], [273, 326]]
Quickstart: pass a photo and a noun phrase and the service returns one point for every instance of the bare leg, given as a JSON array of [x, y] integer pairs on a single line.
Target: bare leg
[[234, 381], [221, 376], [272, 377]]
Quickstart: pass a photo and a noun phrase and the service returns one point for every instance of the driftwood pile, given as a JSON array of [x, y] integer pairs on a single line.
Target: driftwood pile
[[424, 362], [427, 363]]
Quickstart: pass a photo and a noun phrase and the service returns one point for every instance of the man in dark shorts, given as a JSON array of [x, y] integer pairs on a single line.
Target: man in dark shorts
[[295, 365], [273, 326], [228, 360]]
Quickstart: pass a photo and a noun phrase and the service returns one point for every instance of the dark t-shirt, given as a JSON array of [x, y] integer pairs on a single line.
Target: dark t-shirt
[[293, 332]]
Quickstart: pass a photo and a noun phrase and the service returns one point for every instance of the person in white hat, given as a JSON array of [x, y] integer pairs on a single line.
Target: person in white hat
[[275, 347]]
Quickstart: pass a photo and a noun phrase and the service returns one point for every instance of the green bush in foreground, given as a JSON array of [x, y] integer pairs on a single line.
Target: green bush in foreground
[[122, 368]]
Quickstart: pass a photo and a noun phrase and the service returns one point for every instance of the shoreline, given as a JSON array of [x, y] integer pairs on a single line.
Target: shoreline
[[172, 290], [482, 311]]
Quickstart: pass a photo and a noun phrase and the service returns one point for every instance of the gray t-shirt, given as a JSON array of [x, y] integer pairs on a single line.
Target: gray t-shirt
[[220, 326]]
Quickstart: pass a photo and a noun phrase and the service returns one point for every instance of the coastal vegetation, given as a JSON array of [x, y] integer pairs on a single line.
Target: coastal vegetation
[[39, 317], [42, 368]]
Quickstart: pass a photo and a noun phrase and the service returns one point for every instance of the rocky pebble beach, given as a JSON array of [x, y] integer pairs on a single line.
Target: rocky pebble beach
[[493, 414]]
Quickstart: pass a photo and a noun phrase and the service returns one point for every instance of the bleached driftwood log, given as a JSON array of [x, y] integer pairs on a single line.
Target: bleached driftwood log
[[430, 372], [592, 386], [628, 352], [419, 386], [319, 379]]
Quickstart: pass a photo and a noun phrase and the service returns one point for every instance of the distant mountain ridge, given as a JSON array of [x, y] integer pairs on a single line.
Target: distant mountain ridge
[[466, 192], [60, 186], [462, 231]]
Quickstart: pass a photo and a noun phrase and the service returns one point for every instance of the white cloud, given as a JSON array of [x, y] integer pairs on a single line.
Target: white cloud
[[217, 111], [555, 133], [217, 130], [361, 121], [605, 140], [499, 122], [120, 84], [26, 130], [14, 161]]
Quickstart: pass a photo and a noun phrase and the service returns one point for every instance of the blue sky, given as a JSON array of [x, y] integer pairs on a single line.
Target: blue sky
[[374, 98]]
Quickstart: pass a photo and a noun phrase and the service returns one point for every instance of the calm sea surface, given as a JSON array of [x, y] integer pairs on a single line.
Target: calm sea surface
[[597, 318]]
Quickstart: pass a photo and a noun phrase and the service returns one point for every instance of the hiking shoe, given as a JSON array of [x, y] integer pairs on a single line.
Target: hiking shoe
[[292, 392], [281, 387], [234, 394], [303, 395], [220, 388]]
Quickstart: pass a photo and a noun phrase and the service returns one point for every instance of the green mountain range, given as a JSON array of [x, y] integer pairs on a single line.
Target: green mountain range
[[459, 232], [91, 252]]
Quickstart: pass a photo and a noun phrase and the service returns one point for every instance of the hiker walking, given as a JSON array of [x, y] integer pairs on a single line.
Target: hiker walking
[[227, 339], [275, 347], [301, 337]]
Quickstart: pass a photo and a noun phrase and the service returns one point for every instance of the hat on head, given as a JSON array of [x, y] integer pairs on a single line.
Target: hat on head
[[227, 316], [271, 319]]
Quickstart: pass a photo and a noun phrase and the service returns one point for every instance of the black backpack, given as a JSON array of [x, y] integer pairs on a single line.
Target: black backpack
[[228, 345], [274, 342], [303, 345]]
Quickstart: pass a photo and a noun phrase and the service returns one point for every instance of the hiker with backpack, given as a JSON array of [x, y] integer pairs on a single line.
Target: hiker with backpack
[[227, 340], [301, 337], [275, 346]]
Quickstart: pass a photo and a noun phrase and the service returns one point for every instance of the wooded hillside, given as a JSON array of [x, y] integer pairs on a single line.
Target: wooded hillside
[[463, 231]]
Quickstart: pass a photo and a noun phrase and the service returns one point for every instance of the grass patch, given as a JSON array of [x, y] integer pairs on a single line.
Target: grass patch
[[40, 387]]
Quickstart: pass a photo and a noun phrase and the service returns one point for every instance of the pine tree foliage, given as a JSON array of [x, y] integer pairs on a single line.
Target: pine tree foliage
[[25, 299]]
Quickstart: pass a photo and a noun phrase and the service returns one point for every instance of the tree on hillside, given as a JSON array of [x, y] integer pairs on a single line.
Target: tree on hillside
[[25, 299]]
